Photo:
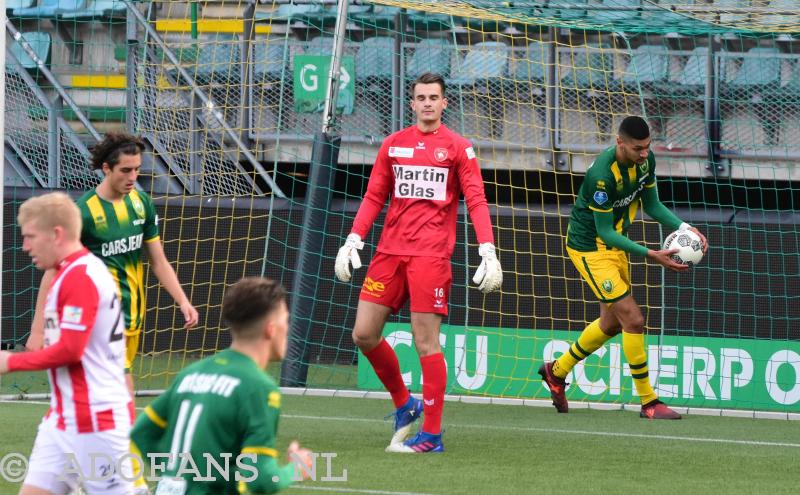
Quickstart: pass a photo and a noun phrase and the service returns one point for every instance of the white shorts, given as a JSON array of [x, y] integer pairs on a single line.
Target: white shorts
[[98, 462]]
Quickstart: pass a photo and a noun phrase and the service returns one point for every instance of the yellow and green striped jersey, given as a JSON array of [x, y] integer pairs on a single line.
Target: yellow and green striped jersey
[[115, 232], [608, 187]]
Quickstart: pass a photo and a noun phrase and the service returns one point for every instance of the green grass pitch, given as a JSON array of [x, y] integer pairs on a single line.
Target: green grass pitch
[[517, 449]]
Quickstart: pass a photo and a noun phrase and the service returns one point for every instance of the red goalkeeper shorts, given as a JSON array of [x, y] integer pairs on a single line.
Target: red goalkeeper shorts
[[391, 280]]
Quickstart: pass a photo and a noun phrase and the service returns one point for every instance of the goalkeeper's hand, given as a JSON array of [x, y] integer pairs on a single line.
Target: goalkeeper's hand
[[489, 275], [348, 254]]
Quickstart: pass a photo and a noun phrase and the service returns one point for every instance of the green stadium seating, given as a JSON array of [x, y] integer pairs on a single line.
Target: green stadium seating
[[374, 58], [649, 66], [481, 74], [268, 60], [590, 68], [695, 71], [589, 82], [485, 61], [19, 4], [41, 44], [98, 9], [759, 68], [628, 10], [50, 9], [219, 59], [430, 55]]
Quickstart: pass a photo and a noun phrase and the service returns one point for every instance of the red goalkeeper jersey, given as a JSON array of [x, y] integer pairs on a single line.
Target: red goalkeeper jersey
[[425, 173]]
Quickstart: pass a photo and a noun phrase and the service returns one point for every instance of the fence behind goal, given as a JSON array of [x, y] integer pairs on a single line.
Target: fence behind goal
[[228, 97]]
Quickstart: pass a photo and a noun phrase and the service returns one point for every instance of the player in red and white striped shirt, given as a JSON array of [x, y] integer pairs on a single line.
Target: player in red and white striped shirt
[[91, 411], [423, 169]]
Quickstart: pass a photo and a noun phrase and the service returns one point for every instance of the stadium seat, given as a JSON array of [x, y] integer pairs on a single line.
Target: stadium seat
[[591, 67], [759, 68], [648, 72], [374, 70], [480, 74], [430, 55], [219, 60], [379, 17], [19, 4], [626, 10], [419, 20], [485, 61], [775, 20], [588, 82], [98, 9], [527, 78], [565, 9], [374, 58], [272, 76], [693, 77], [314, 15], [268, 59], [41, 44], [528, 74], [722, 6], [757, 78], [649, 66], [50, 9], [54, 9], [791, 92]]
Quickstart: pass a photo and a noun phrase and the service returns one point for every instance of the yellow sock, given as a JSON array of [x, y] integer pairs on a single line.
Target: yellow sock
[[633, 347], [139, 479], [591, 339]]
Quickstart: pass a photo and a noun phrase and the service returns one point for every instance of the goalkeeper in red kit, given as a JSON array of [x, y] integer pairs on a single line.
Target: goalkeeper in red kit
[[424, 168]]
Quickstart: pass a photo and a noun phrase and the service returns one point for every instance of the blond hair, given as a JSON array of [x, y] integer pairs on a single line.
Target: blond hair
[[52, 210]]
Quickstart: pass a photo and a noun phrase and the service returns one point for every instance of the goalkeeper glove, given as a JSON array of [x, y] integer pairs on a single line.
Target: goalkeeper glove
[[348, 255], [489, 275]]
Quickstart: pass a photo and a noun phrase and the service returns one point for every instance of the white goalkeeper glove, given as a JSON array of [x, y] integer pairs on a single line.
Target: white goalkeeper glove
[[348, 254], [489, 275]]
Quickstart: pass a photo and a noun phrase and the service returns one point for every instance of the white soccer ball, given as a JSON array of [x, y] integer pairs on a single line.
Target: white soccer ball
[[689, 246]]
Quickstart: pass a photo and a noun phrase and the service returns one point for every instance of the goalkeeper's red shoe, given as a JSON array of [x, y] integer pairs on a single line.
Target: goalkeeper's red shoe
[[557, 387], [658, 410]]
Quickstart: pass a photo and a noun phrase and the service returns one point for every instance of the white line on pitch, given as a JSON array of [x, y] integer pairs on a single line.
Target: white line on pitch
[[572, 432], [352, 490], [531, 429]]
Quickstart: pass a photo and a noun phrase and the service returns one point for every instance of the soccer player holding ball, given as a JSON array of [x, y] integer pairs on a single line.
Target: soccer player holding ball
[[597, 243], [423, 169]]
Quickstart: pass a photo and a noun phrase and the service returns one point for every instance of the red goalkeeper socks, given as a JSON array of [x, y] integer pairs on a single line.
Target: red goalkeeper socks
[[384, 362], [434, 382]]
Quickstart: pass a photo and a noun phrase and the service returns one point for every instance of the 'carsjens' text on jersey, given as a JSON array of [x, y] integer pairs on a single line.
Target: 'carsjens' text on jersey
[[116, 232], [608, 186], [224, 405]]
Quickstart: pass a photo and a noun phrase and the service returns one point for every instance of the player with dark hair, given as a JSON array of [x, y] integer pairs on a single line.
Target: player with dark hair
[[597, 244], [423, 169], [119, 223], [226, 405]]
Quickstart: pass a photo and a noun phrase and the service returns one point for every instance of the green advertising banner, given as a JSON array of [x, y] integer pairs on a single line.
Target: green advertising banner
[[311, 83], [685, 371]]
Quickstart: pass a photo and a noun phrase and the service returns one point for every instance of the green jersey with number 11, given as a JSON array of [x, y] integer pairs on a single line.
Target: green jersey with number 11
[[217, 408]]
